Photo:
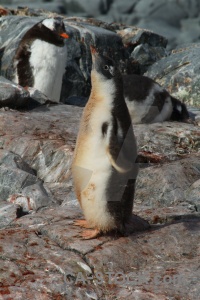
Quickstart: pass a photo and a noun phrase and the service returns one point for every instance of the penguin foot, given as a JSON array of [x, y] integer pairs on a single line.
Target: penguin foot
[[82, 223], [90, 234]]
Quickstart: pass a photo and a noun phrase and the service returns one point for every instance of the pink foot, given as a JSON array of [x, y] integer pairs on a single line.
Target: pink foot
[[90, 234], [82, 223]]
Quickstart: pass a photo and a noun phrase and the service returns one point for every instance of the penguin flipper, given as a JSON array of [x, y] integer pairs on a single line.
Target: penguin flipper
[[122, 166], [121, 151]]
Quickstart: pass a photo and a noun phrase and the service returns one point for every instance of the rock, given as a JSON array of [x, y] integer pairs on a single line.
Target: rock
[[160, 27], [12, 95], [77, 101], [15, 96], [46, 246], [179, 73], [172, 184], [45, 139], [169, 19], [83, 32], [189, 31], [145, 47], [157, 263], [192, 194], [7, 214], [56, 6], [167, 141], [171, 13], [42, 254], [47, 146], [125, 7], [87, 8], [20, 184]]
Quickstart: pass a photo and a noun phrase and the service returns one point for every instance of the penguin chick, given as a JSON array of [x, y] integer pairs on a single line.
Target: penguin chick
[[40, 59], [148, 102], [104, 169]]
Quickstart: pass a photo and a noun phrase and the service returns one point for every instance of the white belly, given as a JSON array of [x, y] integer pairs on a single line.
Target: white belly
[[94, 169], [48, 63]]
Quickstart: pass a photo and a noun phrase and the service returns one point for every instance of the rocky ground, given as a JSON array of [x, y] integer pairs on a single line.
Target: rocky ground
[[41, 253]]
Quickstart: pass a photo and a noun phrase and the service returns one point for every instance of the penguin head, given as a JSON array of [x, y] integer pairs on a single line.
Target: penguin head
[[51, 30], [104, 65], [56, 25]]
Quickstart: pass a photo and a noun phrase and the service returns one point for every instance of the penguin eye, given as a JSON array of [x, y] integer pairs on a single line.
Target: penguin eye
[[106, 67]]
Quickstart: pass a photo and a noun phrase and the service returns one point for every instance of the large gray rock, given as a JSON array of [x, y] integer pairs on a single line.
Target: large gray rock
[[19, 180], [179, 73], [45, 139], [144, 47], [14, 96], [176, 183]]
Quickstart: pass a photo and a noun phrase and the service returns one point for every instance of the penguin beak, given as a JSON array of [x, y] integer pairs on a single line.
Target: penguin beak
[[64, 35], [94, 54], [93, 49]]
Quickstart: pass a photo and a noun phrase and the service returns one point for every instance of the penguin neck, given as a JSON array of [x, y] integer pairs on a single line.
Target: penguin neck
[[106, 91]]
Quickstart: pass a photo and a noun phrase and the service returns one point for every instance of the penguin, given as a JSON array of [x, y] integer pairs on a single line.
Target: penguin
[[104, 167], [148, 102], [40, 59]]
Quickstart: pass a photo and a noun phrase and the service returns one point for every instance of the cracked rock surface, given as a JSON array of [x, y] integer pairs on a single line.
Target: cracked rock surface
[[41, 253]]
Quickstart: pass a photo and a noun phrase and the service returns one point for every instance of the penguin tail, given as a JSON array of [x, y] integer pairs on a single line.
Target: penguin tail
[[180, 112]]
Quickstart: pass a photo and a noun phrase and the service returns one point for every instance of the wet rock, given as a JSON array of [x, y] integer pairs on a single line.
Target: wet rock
[[179, 73]]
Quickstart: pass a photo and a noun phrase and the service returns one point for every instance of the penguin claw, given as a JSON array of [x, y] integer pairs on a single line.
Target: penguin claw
[[82, 223], [90, 234]]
